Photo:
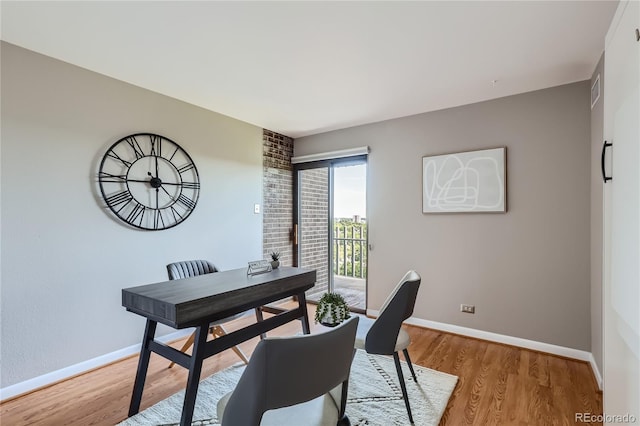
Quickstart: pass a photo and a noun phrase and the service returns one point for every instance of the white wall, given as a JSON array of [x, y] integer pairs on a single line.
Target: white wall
[[527, 271], [597, 123], [64, 257]]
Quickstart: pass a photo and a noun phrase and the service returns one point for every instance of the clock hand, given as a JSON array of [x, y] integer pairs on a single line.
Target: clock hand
[[138, 180], [157, 175], [147, 181]]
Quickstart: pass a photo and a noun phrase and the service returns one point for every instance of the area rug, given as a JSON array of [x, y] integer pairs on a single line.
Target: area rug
[[375, 398]]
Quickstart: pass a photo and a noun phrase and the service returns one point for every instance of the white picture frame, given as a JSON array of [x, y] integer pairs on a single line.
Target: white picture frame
[[465, 182]]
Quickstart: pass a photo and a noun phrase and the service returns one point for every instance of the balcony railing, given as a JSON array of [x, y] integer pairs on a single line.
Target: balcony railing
[[350, 250]]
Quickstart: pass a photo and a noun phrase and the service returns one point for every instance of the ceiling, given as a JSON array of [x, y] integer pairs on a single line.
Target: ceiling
[[301, 68]]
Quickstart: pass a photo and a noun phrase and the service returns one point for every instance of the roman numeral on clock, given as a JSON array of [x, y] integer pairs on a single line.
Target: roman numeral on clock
[[156, 145], [119, 198], [186, 201], [108, 177], [137, 212], [186, 168], [135, 146], [191, 185]]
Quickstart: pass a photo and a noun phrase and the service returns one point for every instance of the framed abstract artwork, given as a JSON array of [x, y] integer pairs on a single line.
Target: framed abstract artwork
[[465, 182]]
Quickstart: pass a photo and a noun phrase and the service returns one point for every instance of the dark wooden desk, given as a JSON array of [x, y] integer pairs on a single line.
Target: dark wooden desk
[[198, 301]]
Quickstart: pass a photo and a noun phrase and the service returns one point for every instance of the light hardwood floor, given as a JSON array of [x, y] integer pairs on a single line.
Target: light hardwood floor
[[498, 384]]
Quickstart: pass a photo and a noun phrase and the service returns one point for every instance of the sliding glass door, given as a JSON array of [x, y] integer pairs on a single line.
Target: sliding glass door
[[311, 226], [330, 228]]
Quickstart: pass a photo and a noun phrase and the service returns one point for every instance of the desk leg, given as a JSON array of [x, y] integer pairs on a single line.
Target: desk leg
[[260, 318], [302, 302], [143, 365], [197, 356]]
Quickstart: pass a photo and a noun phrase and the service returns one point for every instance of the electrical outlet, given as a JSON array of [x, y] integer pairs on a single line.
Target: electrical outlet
[[256, 208], [468, 309]]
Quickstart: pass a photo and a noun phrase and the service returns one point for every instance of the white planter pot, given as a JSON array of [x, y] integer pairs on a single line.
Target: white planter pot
[[336, 311]]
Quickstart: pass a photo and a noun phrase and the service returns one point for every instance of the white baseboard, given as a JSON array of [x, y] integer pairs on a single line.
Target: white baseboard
[[74, 370], [500, 338], [596, 371]]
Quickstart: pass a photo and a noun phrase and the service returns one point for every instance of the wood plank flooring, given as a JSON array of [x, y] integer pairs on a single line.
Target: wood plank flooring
[[498, 384]]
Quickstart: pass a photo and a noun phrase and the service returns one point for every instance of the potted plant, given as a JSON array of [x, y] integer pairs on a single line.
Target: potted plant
[[275, 259], [332, 310]]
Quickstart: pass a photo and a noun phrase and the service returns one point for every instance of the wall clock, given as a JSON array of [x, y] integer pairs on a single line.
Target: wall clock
[[149, 182]]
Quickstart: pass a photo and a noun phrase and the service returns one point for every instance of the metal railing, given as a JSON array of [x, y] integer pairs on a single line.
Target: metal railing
[[350, 250]]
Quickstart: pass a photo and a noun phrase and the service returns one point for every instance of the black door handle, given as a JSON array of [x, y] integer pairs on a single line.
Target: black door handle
[[605, 178]]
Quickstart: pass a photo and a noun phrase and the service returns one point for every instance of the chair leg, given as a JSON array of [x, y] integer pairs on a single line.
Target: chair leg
[[396, 358], [218, 331], [186, 345], [343, 420], [406, 357]]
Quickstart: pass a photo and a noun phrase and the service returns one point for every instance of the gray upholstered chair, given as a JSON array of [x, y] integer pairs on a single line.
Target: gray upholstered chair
[[193, 268], [385, 336], [299, 380], [190, 268]]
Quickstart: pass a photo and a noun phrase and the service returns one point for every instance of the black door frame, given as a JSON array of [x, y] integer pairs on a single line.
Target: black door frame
[[330, 164]]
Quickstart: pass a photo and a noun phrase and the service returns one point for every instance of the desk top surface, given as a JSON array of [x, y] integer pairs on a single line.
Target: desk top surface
[[181, 303]]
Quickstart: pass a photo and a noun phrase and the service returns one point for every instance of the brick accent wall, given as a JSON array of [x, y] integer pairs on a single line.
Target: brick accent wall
[[313, 232], [277, 213]]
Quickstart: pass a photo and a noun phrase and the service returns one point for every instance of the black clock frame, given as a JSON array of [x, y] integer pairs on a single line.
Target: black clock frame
[[124, 204]]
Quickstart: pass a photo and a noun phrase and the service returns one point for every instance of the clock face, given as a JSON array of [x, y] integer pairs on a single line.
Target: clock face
[[148, 181]]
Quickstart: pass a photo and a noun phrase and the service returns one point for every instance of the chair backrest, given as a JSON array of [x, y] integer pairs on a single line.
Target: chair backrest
[[189, 268], [382, 336], [292, 370]]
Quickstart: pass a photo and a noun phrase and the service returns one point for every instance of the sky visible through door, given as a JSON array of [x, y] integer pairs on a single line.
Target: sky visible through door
[[350, 196]]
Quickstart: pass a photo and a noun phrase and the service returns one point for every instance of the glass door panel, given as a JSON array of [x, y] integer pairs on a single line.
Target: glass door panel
[[313, 229], [349, 254]]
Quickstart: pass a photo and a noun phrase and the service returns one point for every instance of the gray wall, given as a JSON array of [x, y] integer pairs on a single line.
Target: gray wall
[[527, 271], [597, 135], [64, 258]]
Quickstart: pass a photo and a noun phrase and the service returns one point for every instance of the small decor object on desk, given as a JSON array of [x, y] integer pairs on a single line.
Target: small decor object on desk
[[332, 310], [259, 267], [275, 259]]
